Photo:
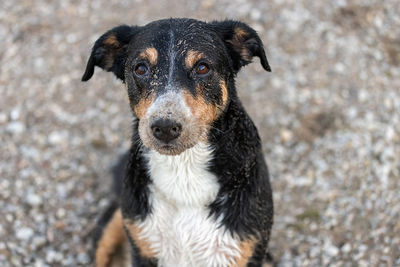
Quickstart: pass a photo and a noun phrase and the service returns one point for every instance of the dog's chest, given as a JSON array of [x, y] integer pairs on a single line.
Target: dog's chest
[[179, 229]]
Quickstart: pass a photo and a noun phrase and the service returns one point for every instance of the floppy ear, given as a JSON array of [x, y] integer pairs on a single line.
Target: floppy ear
[[243, 43], [109, 52]]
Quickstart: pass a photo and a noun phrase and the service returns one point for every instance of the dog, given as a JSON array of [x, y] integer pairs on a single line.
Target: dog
[[194, 187]]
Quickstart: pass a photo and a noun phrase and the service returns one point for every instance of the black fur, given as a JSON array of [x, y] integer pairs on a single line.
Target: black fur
[[252, 43], [135, 191], [244, 200], [123, 35]]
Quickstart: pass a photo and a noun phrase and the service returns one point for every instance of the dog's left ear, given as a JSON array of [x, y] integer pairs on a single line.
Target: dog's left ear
[[109, 52], [242, 42]]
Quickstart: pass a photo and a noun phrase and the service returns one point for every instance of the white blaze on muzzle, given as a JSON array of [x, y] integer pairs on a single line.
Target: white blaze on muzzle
[[170, 105]]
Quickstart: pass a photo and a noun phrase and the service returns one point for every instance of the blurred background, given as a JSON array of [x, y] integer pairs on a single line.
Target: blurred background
[[328, 115]]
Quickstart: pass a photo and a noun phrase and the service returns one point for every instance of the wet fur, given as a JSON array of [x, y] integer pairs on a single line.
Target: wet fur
[[241, 205]]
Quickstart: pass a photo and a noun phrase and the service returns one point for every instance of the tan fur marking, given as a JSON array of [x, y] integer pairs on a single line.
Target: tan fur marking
[[192, 57], [143, 245], [205, 113], [113, 46], [109, 61], [113, 236], [240, 33], [224, 91], [111, 40], [141, 108], [246, 251], [150, 54], [238, 40]]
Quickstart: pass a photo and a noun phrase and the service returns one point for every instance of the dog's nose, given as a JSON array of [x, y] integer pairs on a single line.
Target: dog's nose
[[166, 130]]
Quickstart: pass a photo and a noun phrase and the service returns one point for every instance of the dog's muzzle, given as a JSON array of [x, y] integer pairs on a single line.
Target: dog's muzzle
[[169, 126]]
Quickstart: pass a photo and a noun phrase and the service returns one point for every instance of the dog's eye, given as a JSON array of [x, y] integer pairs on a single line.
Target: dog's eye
[[202, 69], [141, 69]]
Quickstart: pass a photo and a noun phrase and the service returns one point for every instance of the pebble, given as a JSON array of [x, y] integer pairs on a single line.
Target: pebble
[[38, 241], [15, 114], [331, 250], [346, 248], [24, 233], [286, 135], [53, 256], [3, 118], [16, 127], [57, 137], [33, 199], [83, 258]]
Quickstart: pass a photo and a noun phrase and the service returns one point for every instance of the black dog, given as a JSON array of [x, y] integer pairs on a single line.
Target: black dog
[[196, 190]]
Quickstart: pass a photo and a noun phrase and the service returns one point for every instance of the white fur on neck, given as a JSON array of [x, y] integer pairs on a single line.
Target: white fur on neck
[[184, 179], [179, 229]]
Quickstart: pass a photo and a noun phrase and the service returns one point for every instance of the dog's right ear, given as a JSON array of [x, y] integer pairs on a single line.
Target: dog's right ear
[[110, 51]]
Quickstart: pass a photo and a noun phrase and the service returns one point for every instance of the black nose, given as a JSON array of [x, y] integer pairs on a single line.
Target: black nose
[[166, 130]]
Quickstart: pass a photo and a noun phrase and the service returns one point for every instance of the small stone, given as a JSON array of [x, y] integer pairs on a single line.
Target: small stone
[[207, 4], [14, 114], [346, 248], [83, 258], [56, 138], [3, 118], [33, 199], [286, 135], [339, 67], [16, 127], [255, 14], [39, 241], [98, 140], [53, 256], [61, 213], [40, 263], [314, 252], [59, 225], [24, 233], [331, 250]]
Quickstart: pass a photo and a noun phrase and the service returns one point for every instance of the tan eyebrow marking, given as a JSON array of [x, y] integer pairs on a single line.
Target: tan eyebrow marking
[[192, 57], [150, 54]]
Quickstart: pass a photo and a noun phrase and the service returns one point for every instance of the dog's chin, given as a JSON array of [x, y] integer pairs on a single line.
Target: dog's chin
[[174, 148], [170, 149]]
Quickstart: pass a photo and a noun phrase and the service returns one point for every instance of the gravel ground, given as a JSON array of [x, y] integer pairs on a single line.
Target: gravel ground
[[329, 116]]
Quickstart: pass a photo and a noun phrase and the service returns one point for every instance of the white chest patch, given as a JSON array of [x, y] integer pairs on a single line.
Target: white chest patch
[[178, 229]]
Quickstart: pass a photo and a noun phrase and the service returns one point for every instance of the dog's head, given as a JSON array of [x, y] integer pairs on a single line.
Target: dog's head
[[177, 73]]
